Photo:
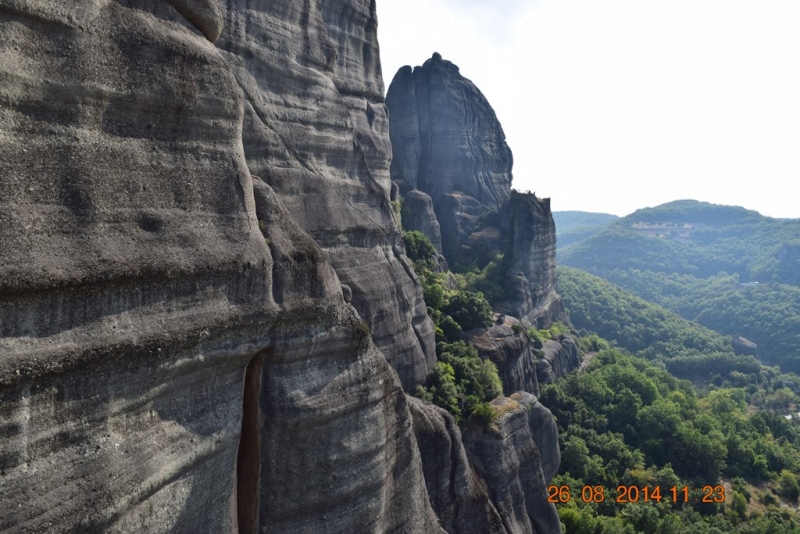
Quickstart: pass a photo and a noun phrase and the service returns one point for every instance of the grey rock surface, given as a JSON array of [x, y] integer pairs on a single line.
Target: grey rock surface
[[176, 354], [447, 142], [506, 456], [418, 214], [532, 285], [316, 130], [482, 246], [560, 357], [506, 344], [457, 494], [544, 431]]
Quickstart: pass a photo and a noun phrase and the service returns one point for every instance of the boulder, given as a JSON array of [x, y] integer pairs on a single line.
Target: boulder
[[560, 356]]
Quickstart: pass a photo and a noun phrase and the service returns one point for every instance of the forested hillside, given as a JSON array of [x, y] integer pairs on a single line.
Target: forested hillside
[[575, 226], [688, 350], [643, 450], [727, 268]]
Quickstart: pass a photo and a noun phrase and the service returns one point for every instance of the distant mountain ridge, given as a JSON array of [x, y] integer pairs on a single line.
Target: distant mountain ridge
[[728, 268], [696, 238]]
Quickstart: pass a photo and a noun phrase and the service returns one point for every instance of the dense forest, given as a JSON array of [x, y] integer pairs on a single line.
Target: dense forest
[[726, 268], [645, 451], [666, 428]]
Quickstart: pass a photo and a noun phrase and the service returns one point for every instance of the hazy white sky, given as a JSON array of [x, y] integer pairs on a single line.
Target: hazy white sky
[[614, 105]]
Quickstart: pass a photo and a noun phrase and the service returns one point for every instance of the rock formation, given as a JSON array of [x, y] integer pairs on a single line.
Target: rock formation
[[203, 284], [177, 354], [458, 495], [560, 356], [506, 344], [506, 455], [315, 129], [528, 222], [418, 214], [448, 143]]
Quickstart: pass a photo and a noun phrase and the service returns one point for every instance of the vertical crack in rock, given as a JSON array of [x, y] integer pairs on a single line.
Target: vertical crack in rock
[[248, 463]]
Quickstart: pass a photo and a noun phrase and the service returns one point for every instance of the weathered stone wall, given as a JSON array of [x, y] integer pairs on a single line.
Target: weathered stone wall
[[175, 353], [316, 130]]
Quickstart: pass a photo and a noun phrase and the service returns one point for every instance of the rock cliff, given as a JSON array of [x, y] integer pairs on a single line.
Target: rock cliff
[[506, 455], [528, 222], [316, 130], [506, 344], [177, 353], [448, 143], [206, 315]]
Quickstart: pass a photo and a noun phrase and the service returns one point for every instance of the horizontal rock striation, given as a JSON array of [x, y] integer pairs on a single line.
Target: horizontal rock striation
[[176, 354], [316, 130], [448, 143]]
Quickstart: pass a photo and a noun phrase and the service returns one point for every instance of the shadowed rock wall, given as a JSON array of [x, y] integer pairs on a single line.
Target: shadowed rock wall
[[141, 277], [528, 222], [448, 143]]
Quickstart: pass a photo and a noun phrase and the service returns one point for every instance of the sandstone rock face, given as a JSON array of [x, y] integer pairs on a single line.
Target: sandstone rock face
[[316, 130], [176, 355], [447, 142], [506, 344], [418, 214], [458, 495], [532, 284], [560, 357], [506, 456]]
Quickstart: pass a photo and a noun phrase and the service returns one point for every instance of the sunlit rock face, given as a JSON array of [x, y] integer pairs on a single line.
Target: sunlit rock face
[[448, 143], [316, 130], [176, 354]]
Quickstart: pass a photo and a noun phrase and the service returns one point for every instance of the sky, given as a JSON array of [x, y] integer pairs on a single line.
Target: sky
[[615, 105]]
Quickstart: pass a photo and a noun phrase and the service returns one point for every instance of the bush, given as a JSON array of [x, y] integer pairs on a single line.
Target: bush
[[419, 248], [469, 309], [462, 383]]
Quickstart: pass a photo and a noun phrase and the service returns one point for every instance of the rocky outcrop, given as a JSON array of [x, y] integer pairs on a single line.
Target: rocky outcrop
[[316, 130], [531, 284], [506, 456], [509, 348], [177, 354], [544, 431], [458, 495], [447, 142], [744, 346], [560, 356], [418, 215]]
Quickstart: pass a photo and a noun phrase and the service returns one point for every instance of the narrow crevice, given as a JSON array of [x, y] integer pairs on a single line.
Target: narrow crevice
[[248, 465]]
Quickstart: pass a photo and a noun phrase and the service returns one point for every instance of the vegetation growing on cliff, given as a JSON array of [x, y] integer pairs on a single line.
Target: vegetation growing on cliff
[[460, 382]]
